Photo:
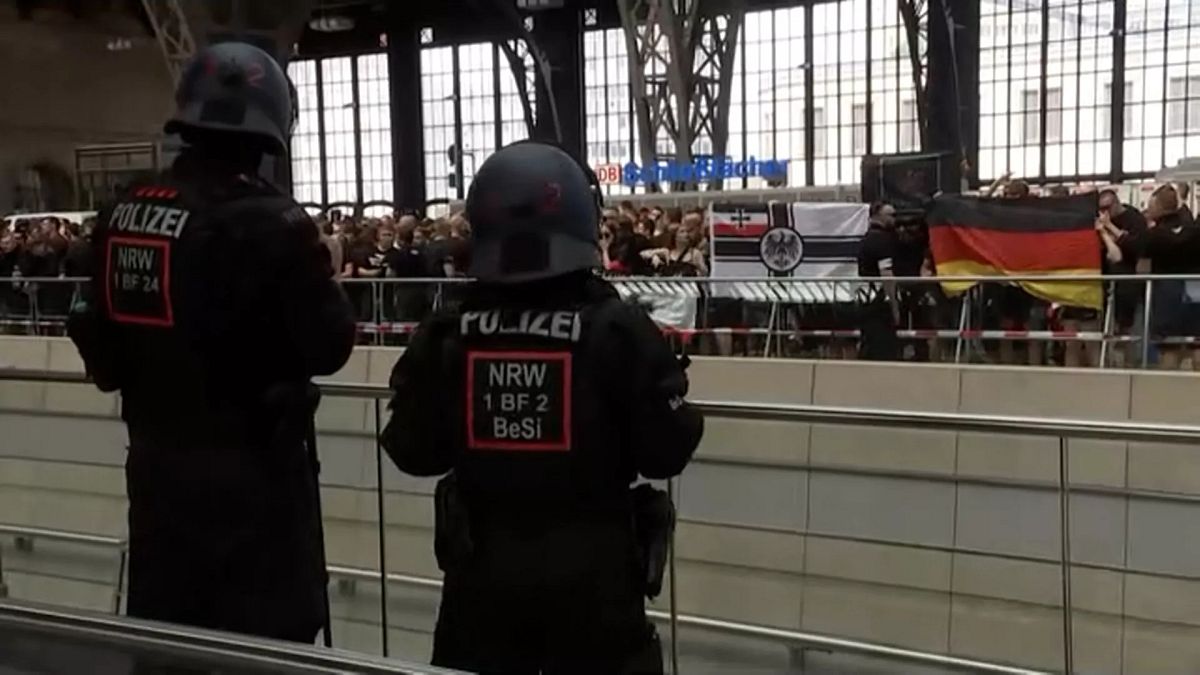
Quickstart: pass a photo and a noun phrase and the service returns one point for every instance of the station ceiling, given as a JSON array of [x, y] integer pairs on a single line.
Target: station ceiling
[[451, 20]]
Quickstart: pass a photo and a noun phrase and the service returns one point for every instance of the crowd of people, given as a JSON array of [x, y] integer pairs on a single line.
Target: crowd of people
[[654, 242], [634, 242], [404, 247], [48, 249], [1162, 238]]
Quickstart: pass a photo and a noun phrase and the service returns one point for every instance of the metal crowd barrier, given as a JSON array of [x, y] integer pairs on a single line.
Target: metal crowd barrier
[[781, 298], [1057, 428]]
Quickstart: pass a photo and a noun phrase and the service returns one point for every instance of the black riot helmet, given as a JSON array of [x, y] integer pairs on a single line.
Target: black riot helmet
[[236, 88], [534, 214]]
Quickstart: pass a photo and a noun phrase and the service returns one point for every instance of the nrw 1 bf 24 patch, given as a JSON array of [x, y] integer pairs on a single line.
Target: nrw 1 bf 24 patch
[[138, 281]]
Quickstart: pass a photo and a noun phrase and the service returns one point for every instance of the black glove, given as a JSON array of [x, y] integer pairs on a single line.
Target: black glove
[[92, 337]]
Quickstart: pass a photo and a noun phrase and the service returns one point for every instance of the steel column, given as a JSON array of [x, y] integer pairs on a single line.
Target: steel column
[[459, 154], [915, 15], [1116, 102], [497, 108], [810, 117], [558, 38], [357, 120], [318, 66], [681, 59], [173, 33], [408, 142], [1043, 88], [515, 52]]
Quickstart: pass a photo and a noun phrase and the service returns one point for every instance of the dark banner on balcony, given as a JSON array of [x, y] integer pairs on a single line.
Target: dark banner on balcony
[[970, 236]]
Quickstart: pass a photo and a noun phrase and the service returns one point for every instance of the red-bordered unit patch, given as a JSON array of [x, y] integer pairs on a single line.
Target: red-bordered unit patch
[[519, 401], [137, 281]]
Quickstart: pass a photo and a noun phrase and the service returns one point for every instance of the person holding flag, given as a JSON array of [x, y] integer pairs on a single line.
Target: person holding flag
[[1055, 237]]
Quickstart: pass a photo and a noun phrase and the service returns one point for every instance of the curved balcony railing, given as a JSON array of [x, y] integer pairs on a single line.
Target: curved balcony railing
[[1064, 487]]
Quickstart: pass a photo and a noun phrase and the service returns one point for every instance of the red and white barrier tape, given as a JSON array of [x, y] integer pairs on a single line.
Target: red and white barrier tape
[[388, 328], [409, 327], [27, 323], [1179, 340], [852, 333], [1081, 336]]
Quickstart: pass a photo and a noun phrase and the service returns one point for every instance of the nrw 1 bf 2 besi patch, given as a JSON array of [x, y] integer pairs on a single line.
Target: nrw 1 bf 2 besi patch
[[519, 401]]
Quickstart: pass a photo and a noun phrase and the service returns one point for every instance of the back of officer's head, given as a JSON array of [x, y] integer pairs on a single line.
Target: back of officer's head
[[234, 96], [534, 214]]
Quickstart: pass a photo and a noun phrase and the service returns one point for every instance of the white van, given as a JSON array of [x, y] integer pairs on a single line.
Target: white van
[[26, 219]]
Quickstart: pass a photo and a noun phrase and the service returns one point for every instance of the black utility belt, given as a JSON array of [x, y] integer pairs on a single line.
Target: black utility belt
[[651, 509]]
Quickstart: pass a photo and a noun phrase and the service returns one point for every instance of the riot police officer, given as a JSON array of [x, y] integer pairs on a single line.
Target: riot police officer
[[211, 307], [545, 396]]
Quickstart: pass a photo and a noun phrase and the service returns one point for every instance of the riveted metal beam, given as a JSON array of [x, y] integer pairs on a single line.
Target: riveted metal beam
[[173, 33]]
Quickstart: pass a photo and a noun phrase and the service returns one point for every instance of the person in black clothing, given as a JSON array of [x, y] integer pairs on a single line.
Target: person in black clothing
[[1126, 225], [212, 305], [1182, 189], [917, 302], [39, 260], [1172, 244], [406, 261], [12, 302], [877, 251], [879, 312], [625, 250], [370, 259], [10, 251], [437, 251], [546, 396], [77, 262]]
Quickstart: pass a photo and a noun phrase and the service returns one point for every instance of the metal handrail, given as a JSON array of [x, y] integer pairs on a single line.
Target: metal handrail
[[135, 633], [962, 422], [816, 414], [121, 544], [60, 535], [794, 637], [1060, 428]]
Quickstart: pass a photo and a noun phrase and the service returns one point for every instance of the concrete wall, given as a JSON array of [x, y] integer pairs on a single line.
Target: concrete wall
[[64, 88], [932, 540]]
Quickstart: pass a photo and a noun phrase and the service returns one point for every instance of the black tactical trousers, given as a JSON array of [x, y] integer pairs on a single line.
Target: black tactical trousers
[[567, 602], [219, 555]]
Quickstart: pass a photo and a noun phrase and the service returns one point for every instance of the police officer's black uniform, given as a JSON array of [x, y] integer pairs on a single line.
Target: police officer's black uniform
[[546, 396], [211, 308]]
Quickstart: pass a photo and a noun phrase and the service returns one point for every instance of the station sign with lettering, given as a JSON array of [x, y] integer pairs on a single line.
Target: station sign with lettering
[[700, 169]]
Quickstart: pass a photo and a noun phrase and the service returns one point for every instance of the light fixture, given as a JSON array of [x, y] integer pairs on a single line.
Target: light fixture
[[119, 44], [331, 23], [537, 5]]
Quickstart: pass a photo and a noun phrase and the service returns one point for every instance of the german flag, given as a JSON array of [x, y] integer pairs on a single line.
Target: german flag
[[1054, 236]]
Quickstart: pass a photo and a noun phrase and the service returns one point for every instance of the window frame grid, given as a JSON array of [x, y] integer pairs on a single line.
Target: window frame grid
[[333, 99]]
